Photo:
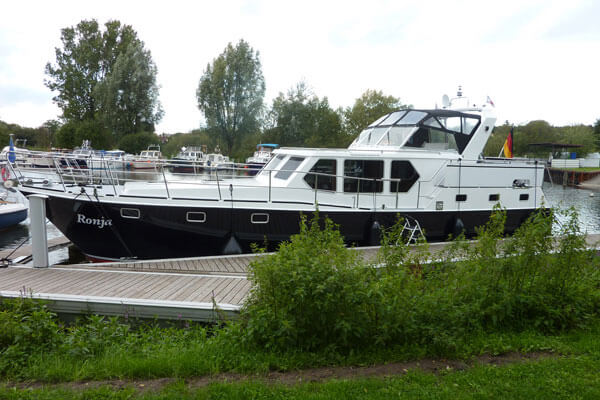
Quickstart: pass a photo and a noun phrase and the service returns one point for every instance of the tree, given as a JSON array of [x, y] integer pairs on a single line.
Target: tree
[[302, 119], [597, 132], [136, 142], [368, 108], [230, 93], [582, 135], [98, 75], [72, 134], [128, 96]]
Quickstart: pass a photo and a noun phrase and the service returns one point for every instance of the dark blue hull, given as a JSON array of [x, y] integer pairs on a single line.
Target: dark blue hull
[[12, 218]]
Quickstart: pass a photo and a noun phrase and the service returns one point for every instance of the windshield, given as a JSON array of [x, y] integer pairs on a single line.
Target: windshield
[[438, 130]]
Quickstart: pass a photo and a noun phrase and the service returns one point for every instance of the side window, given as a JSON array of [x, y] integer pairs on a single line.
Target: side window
[[289, 167], [403, 176], [322, 175], [369, 170]]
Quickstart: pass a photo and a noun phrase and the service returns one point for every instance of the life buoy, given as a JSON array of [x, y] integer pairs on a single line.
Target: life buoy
[[5, 174]]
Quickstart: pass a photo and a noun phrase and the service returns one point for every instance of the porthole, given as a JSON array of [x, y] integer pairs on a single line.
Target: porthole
[[195, 216], [494, 197], [132, 213], [461, 197], [259, 218], [524, 196]]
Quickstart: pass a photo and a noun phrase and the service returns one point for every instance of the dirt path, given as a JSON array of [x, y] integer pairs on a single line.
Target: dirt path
[[295, 377]]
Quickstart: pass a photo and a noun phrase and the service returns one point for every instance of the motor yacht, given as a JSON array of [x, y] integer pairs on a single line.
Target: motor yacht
[[425, 165]]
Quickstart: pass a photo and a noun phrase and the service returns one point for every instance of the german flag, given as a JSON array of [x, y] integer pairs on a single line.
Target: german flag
[[508, 145]]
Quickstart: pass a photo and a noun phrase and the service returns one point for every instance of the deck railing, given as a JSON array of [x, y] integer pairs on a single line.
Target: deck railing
[[68, 170]]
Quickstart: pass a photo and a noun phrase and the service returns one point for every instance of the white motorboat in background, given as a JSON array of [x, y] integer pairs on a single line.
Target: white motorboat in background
[[147, 159], [189, 159], [262, 155]]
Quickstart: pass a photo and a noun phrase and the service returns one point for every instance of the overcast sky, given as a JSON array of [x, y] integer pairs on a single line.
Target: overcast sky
[[535, 59]]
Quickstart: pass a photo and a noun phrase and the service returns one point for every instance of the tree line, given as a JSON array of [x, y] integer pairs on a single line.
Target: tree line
[[104, 79]]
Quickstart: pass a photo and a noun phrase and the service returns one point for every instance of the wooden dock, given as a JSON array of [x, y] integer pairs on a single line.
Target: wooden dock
[[23, 254], [198, 289]]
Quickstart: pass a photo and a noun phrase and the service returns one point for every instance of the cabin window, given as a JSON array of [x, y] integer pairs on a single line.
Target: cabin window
[[524, 196], [259, 218], [132, 213], [433, 139], [195, 216], [494, 197], [461, 197], [393, 118], [272, 164], [396, 135], [412, 117], [406, 173], [289, 167], [322, 175], [368, 170]]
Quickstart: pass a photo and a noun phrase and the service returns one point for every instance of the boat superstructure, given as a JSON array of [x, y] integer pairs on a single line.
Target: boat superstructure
[[423, 164]]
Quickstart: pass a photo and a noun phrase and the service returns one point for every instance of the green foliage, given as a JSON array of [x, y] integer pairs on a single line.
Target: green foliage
[[105, 76], [541, 132], [27, 327], [230, 94], [310, 294], [197, 138], [94, 335], [370, 106], [72, 134], [128, 96], [302, 119], [137, 142], [414, 299]]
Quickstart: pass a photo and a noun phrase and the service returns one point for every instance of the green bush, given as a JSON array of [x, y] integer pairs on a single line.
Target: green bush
[[312, 293], [26, 328]]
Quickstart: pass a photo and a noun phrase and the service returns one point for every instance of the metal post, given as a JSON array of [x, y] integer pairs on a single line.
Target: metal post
[[269, 186], [39, 236], [166, 185], [316, 186]]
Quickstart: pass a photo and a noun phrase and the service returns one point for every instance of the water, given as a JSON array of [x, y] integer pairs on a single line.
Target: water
[[556, 196]]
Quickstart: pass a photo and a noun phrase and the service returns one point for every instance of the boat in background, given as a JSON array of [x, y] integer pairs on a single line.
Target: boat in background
[[11, 212], [147, 159], [217, 162], [189, 159], [262, 155]]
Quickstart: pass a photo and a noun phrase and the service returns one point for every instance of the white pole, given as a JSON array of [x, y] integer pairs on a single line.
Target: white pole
[[39, 236]]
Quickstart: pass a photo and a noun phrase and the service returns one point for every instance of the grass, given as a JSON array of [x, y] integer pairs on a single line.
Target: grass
[[314, 306], [571, 375]]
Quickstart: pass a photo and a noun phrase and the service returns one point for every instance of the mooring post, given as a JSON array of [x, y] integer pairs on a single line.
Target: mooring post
[[39, 236]]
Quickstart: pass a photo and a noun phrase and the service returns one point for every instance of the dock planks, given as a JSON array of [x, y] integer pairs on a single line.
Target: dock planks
[[186, 288]]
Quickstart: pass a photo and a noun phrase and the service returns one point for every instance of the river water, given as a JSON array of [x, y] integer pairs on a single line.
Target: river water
[[586, 202]]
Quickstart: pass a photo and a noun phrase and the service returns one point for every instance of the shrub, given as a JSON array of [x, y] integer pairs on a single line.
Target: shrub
[[312, 293], [315, 293], [26, 328]]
